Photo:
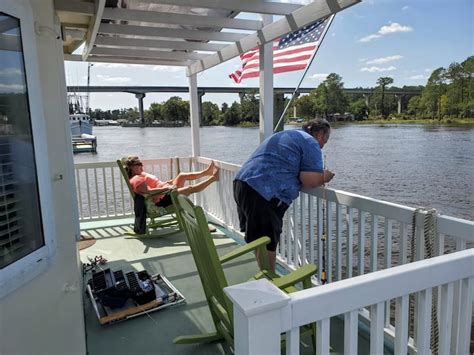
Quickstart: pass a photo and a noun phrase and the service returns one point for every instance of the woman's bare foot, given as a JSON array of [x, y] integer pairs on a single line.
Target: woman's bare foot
[[215, 173], [210, 169]]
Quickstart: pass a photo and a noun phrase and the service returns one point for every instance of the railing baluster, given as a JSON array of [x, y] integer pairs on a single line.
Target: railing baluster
[[329, 241], [445, 318], [387, 260], [457, 310], [311, 233], [464, 335], [113, 190], [106, 195], [322, 337], [401, 325], [373, 244], [350, 240], [97, 192], [295, 235], [79, 193], [376, 328], [351, 328], [88, 193], [423, 321], [338, 241], [361, 251], [304, 259], [403, 244], [293, 341], [320, 234]]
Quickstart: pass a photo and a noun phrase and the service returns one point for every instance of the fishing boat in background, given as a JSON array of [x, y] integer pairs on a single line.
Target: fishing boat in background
[[81, 128]]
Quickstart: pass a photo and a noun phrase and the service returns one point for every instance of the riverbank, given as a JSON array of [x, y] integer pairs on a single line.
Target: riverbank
[[449, 121]]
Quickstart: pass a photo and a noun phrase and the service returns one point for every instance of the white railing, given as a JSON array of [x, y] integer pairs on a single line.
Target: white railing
[[363, 235], [259, 302]]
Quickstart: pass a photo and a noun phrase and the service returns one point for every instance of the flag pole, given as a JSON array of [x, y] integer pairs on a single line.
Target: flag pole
[[304, 74]]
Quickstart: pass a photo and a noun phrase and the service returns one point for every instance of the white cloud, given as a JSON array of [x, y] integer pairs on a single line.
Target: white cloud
[[417, 77], [113, 79], [166, 68], [428, 70], [369, 38], [384, 60], [394, 27], [406, 7], [320, 77], [375, 69]]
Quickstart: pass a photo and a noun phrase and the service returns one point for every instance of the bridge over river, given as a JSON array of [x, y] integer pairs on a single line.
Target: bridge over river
[[141, 91]]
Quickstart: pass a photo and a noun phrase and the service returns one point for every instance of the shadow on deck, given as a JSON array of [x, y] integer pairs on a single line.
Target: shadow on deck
[[153, 333]]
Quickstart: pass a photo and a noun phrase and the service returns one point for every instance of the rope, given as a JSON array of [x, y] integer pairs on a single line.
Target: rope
[[430, 235]]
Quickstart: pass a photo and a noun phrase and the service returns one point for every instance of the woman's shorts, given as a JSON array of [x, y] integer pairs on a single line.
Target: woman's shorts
[[257, 216]]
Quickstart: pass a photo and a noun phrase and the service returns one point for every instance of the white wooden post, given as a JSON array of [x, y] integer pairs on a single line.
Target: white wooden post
[[266, 85], [194, 107], [258, 314]]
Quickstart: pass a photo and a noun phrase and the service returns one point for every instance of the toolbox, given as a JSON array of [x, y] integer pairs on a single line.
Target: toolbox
[[118, 296]]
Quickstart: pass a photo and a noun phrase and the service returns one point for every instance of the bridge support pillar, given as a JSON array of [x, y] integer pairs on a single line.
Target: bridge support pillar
[[200, 95], [294, 103], [140, 97], [367, 102], [399, 102]]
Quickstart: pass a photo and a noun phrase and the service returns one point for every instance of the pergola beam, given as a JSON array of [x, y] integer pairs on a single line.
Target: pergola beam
[[147, 31], [126, 60], [77, 7], [181, 19], [93, 28], [254, 6], [158, 44], [299, 18], [147, 54]]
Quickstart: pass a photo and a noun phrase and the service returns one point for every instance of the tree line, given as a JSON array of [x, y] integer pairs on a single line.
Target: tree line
[[448, 93]]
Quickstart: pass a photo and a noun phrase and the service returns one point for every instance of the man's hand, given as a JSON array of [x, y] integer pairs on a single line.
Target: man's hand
[[328, 175]]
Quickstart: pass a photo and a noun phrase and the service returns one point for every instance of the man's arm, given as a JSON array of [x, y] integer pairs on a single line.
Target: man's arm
[[311, 179]]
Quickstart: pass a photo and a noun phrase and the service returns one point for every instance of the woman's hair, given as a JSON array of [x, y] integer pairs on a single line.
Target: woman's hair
[[129, 162], [317, 125]]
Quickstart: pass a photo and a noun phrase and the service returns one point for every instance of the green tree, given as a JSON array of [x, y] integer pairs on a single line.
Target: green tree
[[414, 107], [210, 114], [250, 107], [154, 113], [329, 97], [175, 109], [435, 87], [305, 106], [359, 109], [383, 82], [232, 116]]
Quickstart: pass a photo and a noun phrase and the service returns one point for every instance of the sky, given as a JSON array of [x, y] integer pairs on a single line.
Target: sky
[[403, 39]]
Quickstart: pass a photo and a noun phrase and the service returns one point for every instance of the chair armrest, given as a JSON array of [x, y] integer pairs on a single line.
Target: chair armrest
[[157, 192], [244, 249], [296, 276]]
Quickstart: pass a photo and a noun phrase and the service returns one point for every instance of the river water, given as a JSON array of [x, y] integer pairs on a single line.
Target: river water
[[414, 165]]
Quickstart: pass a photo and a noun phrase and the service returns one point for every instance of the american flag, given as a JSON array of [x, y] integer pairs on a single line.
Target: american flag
[[290, 53]]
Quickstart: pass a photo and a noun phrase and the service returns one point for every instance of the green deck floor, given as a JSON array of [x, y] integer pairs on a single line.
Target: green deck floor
[[153, 333]]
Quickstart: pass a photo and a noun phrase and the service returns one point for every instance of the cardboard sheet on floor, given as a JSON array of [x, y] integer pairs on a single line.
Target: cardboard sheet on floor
[[165, 295]]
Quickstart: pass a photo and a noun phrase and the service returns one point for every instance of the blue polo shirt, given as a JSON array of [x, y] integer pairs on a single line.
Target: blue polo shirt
[[273, 169]]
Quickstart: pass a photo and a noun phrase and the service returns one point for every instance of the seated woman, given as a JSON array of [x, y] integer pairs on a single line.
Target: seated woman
[[148, 184]]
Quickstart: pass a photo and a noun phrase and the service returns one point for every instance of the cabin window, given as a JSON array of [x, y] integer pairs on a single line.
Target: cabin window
[[21, 228]]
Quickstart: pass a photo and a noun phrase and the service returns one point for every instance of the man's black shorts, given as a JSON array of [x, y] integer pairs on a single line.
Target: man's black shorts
[[257, 216]]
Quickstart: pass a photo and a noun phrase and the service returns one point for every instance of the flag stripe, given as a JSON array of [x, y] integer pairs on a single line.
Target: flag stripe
[[290, 53]]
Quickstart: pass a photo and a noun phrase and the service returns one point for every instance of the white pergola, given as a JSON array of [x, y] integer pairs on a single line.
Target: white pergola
[[196, 34]]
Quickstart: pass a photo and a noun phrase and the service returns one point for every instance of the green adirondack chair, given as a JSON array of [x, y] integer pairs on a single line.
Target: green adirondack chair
[[213, 279], [158, 218]]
